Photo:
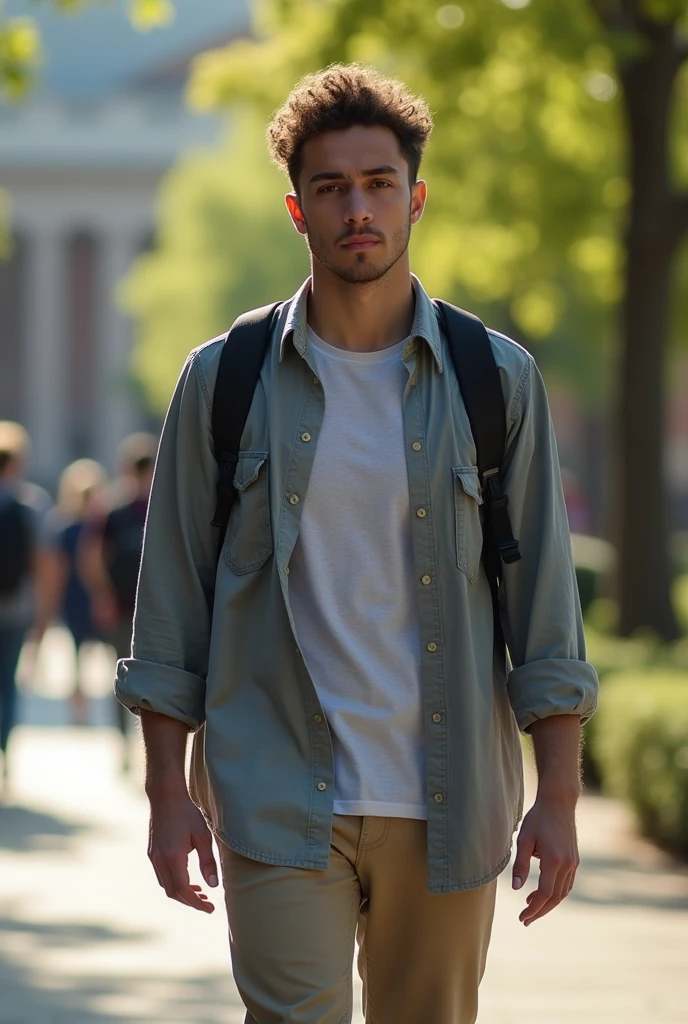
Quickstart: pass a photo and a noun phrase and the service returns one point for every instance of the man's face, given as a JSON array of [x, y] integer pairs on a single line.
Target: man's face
[[355, 203]]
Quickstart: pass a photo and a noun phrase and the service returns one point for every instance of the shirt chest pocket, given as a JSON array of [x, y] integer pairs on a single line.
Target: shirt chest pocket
[[469, 531], [249, 534]]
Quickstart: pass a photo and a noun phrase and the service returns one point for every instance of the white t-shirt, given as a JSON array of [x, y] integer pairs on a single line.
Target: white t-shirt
[[351, 585]]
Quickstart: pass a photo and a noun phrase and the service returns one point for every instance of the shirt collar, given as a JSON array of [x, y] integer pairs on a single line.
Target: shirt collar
[[425, 324]]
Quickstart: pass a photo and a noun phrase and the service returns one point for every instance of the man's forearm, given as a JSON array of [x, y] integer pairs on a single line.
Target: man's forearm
[[557, 743], [165, 741]]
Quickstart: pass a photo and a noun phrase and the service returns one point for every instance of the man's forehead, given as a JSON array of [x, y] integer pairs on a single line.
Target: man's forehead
[[352, 150]]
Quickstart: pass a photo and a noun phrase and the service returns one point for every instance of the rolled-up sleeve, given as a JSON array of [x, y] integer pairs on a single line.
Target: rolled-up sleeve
[[540, 606], [167, 670]]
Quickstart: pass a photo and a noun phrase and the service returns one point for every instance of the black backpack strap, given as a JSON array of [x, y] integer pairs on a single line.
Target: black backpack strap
[[243, 353], [481, 390]]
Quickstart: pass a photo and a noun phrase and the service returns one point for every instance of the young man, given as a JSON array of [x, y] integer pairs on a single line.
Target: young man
[[357, 754]]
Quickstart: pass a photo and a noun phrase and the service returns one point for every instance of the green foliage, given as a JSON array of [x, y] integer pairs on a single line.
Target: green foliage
[[613, 655], [641, 746], [20, 40], [525, 167], [225, 244], [528, 189], [680, 596], [20, 55]]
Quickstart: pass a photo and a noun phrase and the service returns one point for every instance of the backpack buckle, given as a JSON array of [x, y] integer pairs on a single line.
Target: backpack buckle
[[497, 503]]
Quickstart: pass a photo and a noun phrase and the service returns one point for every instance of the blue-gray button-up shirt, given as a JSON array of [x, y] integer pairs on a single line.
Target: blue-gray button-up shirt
[[214, 642]]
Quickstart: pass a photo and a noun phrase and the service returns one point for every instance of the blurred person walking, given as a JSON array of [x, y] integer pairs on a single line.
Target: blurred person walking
[[111, 554], [24, 570], [79, 501], [342, 663]]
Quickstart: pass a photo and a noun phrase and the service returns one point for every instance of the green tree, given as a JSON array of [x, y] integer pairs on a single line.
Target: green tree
[[224, 244], [557, 164]]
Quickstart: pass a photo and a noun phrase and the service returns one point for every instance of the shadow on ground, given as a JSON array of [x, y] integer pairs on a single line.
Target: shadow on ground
[[37, 997], [623, 882], [22, 829]]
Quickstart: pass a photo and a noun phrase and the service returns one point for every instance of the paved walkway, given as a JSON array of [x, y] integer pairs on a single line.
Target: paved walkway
[[87, 937]]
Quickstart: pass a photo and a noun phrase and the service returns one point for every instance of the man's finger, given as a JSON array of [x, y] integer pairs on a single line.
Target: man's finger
[[525, 850], [560, 894], [164, 873], [203, 842], [542, 895], [184, 891]]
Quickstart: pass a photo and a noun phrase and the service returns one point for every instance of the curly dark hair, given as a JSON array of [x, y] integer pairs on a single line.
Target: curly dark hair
[[345, 96]]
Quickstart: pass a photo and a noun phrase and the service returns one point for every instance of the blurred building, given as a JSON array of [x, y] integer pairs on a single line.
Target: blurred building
[[81, 161]]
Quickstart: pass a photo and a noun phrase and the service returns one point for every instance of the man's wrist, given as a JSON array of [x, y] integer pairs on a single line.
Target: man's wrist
[[558, 791], [165, 786], [556, 741]]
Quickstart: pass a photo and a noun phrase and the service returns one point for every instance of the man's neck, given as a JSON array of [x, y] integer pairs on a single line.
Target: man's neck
[[362, 317]]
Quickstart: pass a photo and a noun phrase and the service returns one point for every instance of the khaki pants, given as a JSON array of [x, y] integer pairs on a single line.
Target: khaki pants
[[292, 932]]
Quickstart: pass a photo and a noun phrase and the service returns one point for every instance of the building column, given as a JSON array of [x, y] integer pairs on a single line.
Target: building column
[[45, 363], [116, 415]]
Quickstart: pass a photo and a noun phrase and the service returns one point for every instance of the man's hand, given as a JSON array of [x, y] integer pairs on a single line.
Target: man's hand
[[176, 828], [548, 832]]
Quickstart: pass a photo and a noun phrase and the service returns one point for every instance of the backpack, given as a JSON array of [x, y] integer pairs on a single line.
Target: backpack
[[243, 353], [124, 541], [16, 545]]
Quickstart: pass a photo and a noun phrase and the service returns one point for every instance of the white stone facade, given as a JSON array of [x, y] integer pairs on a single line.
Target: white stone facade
[[81, 172]]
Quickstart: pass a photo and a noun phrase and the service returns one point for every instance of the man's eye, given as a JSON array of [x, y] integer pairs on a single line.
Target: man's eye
[[385, 184], [328, 188]]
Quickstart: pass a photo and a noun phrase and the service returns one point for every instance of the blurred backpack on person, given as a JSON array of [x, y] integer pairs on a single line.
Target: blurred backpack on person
[[123, 536], [16, 544]]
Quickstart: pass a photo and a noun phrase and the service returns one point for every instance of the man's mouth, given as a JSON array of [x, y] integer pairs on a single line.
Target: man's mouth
[[358, 243]]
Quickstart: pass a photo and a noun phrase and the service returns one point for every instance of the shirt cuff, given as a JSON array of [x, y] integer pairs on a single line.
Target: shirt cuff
[[553, 686], [148, 686]]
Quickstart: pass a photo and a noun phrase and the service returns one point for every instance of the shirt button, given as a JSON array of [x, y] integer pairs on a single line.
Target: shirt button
[[317, 719], [436, 718], [294, 500], [413, 382], [421, 513], [416, 446], [306, 436], [315, 380], [426, 580], [438, 798], [431, 647], [286, 570], [322, 786]]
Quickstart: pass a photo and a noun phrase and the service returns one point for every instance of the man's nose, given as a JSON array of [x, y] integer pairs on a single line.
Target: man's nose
[[358, 209]]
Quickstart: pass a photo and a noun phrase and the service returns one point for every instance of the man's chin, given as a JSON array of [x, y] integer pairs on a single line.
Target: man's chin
[[361, 272]]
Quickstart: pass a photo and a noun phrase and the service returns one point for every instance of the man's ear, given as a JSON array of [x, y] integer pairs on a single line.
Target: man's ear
[[419, 193], [296, 213]]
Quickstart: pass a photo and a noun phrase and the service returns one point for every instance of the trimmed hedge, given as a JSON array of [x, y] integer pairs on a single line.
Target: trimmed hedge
[[612, 655], [640, 747]]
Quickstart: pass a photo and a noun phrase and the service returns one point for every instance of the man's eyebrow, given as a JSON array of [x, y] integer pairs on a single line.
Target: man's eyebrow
[[337, 175]]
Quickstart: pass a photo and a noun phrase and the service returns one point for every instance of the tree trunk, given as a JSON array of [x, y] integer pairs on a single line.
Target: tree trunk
[[644, 565]]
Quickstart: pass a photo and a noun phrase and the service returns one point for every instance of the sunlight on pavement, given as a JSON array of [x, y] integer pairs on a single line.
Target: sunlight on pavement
[[88, 937]]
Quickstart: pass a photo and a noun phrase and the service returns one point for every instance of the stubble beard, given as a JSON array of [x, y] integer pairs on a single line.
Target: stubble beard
[[363, 270]]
